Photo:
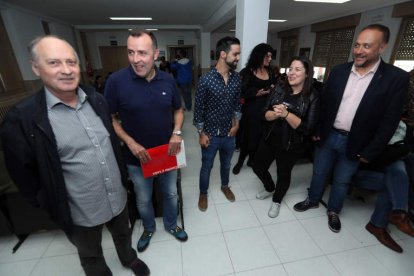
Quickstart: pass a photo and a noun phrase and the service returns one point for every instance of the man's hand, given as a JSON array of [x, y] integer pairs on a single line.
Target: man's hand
[[315, 138], [204, 140], [362, 159], [174, 146], [233, 131], [139, 152]]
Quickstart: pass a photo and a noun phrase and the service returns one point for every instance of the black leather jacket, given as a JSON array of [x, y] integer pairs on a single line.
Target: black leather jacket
[[307, 109]]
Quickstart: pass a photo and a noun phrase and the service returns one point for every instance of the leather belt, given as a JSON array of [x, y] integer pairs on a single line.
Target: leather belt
[[341, 131]]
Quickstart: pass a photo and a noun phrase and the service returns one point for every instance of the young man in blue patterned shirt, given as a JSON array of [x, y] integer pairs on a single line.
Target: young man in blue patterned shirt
[[217, 115]]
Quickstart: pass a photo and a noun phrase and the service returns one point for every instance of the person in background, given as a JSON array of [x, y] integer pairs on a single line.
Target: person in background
[[63, 154], [291, 114], [257, 80], [143, 98], [184, 68], [391, 203], [217, 115], [165, 65], [99, 84], [361, 106]]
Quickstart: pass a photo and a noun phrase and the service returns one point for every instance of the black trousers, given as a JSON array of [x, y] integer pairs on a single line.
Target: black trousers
[[88, 242], [285, 160]]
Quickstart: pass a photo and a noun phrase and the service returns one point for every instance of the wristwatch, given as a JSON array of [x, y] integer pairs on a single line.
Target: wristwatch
[[178, 132]]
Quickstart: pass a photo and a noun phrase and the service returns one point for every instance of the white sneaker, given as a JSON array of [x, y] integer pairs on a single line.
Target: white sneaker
[[263, 194], [274, 210]]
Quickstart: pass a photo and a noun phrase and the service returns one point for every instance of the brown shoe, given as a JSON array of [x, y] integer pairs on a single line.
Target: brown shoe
[[202, 202], [383, 237], [402, 222], [228, 193]]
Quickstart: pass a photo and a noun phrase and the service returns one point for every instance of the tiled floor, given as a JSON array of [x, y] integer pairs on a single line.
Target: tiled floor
[[234, 238]]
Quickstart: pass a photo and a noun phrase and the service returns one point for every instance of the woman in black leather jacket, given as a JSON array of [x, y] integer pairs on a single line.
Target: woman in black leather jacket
[[291, 114]]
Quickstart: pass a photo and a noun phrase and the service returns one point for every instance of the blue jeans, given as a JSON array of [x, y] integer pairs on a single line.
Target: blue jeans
[[186, 92], [332, 155], [143, 189], [393, 186], [225, 146]]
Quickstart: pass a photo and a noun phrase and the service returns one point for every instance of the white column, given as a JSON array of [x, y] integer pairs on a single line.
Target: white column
[[251, 26], [205, 52]]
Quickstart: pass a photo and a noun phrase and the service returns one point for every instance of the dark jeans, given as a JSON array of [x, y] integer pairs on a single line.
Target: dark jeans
[[88, 242], [392, 184], [225, 147], [285, 160], [186, 92], [332, 156]]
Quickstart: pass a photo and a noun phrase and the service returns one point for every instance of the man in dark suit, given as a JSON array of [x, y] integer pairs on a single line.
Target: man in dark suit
[[360, 109]]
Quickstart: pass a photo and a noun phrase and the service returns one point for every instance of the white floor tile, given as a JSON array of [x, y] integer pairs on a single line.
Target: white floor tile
[[398, 264], [67, 265], [318, 266], [291, 241], [267, 271], [249, 249], [23, 268], [201, 223], [358, 262], [327, 240], [164, 258], [61, 246], [33, 248], [206, 256], [250, 187], [236, 215]]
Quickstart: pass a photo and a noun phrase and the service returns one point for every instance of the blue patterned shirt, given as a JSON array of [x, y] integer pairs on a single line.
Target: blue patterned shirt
[[217, 103]]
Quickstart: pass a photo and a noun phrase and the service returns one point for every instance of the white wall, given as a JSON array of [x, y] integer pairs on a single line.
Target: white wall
[[22, 27], [164, 39]]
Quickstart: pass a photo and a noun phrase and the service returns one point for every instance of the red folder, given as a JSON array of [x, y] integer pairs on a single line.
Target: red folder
[[161, 162]]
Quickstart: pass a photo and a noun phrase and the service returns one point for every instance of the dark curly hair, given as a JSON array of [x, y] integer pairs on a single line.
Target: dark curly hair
[[257, 55]]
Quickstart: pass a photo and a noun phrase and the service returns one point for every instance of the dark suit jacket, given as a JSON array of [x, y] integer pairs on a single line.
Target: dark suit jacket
[[377, 115]]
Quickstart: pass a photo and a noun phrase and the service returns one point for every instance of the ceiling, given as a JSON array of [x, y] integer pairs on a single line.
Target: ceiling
[[207, 15]]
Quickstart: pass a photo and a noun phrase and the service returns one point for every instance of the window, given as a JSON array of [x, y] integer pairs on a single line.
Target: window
[[331, 48], [403, 56], [288, 51]]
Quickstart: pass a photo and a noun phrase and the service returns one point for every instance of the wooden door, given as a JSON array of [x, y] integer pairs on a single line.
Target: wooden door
[[113, 58]]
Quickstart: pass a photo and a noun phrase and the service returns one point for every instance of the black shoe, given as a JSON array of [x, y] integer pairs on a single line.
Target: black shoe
[[305, 205], [237, 168], [334, 222], [144, 241], [140, 268]]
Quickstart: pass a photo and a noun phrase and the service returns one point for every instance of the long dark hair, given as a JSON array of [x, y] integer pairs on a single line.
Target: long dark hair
[[307, 64], [257, 55]]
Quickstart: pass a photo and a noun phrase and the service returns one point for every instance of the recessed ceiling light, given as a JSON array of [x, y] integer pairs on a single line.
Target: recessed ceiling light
[[151, 30], [277, 20], [130, 18], [324, 1]]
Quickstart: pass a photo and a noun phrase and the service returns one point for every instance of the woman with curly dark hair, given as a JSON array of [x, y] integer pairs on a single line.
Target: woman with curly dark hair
[[257, 79]]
